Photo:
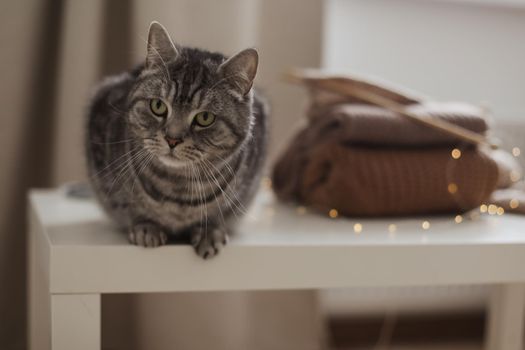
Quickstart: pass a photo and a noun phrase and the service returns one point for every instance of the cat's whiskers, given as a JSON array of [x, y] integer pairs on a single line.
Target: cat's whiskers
[[228, 167], [207, 171], [186, 176], [203, 194], [122, 162], [119, 160], [229, 201], [121, 165], [198, 191], [242, 209], [190, 168], [142, 166], [136, 167], [232, 202], [195, 190], [122, 141], [127, 167]]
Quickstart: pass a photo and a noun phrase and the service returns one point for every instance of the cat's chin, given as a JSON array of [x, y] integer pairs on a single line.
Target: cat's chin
[[173, 162]]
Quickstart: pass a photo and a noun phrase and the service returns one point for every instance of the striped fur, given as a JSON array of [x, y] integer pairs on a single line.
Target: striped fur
[[197, 190]]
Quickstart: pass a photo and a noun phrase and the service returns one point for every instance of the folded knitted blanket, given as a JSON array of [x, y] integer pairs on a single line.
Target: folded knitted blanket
[[322, 170], [371, 125], [365, 160]]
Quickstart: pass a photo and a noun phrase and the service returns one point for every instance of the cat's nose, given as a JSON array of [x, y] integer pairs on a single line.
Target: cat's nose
[[172, 142]]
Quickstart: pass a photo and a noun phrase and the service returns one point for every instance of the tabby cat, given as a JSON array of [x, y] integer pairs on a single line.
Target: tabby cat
[[175, 147]]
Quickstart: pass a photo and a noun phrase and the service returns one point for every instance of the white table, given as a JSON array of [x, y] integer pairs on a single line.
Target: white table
[[76, 255]]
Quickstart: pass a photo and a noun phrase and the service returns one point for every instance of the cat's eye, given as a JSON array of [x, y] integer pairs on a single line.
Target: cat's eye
[[158, 107], [204, 119]]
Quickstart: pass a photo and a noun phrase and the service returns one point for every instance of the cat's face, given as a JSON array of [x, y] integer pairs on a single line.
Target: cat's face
[[189, 105]]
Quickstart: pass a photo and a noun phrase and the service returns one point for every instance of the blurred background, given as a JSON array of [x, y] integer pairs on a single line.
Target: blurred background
[[54, 51]]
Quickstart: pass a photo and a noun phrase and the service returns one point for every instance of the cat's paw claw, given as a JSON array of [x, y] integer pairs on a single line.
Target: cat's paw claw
[[147, 235], [208, 244]]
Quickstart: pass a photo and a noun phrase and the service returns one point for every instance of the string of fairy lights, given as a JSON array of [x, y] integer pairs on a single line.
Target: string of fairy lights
[[452, 188]]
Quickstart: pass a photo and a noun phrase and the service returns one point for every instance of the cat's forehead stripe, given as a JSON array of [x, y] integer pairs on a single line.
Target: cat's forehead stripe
[[189, 80]]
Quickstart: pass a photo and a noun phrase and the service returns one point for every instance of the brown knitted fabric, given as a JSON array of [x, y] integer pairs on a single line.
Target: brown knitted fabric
[[371, 125], [364, 160], [361, 180]]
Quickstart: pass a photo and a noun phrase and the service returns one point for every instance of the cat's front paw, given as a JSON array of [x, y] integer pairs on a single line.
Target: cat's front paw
[[147, 235], [208, 243]]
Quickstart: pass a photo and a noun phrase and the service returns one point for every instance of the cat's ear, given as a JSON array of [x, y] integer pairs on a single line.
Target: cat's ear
[[160, 47], [241, 69]]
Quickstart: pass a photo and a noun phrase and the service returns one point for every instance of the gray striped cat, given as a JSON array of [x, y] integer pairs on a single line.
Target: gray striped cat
[[175, 147]]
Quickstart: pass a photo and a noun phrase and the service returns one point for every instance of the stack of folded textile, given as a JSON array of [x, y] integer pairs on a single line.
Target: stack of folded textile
[[364, 160]]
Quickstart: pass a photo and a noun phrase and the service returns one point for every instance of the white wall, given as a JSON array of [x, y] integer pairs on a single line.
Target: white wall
[[450, 50]]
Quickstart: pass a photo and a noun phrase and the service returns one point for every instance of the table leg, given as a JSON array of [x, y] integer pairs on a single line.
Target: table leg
[[505, 317], [39, 299], [75, 322]]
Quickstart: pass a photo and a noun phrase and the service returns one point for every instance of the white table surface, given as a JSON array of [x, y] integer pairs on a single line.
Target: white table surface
[[277, 248], [77, 255]]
